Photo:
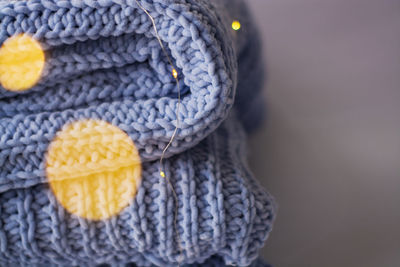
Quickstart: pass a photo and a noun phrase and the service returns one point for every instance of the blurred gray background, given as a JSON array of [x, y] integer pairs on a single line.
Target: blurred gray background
[[330, 151]]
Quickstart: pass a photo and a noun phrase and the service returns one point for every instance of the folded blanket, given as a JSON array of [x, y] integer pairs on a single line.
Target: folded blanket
[[222, 211], [103, 63]]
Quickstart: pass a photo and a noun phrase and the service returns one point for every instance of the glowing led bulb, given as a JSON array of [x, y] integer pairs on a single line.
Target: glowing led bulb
[[174, 73], [236, 25]]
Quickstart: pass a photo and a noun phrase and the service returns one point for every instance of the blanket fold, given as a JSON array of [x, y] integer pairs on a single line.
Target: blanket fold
[[104, 63], [222, 211]]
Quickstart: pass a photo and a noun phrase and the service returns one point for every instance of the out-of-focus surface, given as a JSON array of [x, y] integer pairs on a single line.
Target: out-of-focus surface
[[330, 152]]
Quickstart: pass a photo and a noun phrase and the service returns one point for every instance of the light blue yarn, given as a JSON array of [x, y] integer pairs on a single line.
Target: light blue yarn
[[223, 211], [103, 62], [204, 56], [213, 262]]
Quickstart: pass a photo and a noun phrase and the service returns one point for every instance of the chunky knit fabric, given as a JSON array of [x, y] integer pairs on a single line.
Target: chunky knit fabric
[[216, 262], [103, 62], [222, 210]]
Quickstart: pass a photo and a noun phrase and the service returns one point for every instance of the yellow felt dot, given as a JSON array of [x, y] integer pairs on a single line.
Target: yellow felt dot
[[236, 25], [21, 63], [162, 174], [93, 169]]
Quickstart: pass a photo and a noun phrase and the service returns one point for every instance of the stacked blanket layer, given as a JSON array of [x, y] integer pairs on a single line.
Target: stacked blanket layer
[[104, 63]]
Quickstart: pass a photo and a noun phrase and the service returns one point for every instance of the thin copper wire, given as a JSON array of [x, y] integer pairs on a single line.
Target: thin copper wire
[[162, 173]]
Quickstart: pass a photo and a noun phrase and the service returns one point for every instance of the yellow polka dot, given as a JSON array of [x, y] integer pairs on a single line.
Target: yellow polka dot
[[93, 169], [21, 63], [236, 25]]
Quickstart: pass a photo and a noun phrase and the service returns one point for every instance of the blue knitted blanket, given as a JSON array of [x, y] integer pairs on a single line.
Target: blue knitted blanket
[[104, 63]]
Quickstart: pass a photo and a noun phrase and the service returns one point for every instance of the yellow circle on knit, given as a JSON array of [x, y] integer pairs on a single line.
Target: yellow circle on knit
[[21, 62], [93, 168]]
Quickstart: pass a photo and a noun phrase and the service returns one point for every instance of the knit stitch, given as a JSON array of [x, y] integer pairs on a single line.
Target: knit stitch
[[222, 210], [104, 63]]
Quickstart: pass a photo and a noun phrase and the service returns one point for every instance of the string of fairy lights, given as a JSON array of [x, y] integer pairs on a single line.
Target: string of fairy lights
[[235, 26], [177, 126]]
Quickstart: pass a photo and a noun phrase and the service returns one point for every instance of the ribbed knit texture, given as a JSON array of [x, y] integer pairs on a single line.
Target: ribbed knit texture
[[222, 210], [214, 262], [103, 62]]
